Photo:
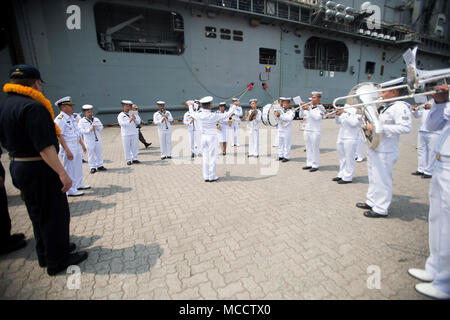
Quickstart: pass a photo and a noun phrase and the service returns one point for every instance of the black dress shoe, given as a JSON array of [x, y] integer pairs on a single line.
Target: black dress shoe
[[14, 243], [306, 168], [93, 170], [426, 176], [285, 160], [192, 155], [129, 163], [74, 258], [136, 161], [417, 173], [343, 182], [336, 179], [102, 168], [162, 158], [147, 145], [17, 237], [363, 205], [313, 169], [280, 159], [169, 157], [43, 262], [373, 214], [206, 180]]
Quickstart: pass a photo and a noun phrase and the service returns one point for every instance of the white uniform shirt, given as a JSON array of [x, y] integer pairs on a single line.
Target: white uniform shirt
[[314, 118], [158, 116], [68, 127], [439, 119], [187, 121], [85, 126], [238, 114], [423, 115], [350, 126], [209, 119], [395, 120], [286, 117], [126, 127], [255, 123]]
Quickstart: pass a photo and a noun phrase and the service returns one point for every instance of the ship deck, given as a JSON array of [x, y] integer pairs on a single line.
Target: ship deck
[[265, 230]]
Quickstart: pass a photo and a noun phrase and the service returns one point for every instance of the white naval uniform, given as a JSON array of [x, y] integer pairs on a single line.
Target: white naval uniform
[[198, 132], [426, 156], [396, 120], [285, 133], [313, 129], [253, 134], [209, 138], [223, 132], [235, 125], [130, 135], [71, 135], [187, 121], [164, 131], [438, 263], [347, 142], [92, 140]]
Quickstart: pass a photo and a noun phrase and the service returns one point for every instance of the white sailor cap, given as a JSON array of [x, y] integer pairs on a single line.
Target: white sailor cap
[[235, 99], [206, 100], [160, 102], [190, 102], [316, 93], [66, 100], [126, 102], [392, 82], [285, 98], [223, 104], [281, 98], [253, 100], [87, 107]]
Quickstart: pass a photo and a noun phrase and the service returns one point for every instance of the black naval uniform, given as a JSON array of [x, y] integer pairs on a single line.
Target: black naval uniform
[[26, 128]]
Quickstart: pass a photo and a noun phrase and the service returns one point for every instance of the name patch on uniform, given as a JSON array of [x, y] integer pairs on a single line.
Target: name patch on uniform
[[389, 121], [405, 118]]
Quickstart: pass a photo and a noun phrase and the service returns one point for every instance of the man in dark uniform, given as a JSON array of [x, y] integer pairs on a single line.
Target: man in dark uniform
[[28, 133], [8, 242]]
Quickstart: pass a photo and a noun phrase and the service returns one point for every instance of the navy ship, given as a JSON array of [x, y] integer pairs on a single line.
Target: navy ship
[[100, 52]]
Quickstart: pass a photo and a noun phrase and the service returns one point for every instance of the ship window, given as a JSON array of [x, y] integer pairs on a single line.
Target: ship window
[[122, 28], [283, 10], [370, 67], [325, 54], [238, 35], [225, 37], [226, 31], [267, 56], [210, 32]]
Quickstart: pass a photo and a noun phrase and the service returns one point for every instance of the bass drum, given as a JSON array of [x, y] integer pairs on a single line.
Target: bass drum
[[268, 116]]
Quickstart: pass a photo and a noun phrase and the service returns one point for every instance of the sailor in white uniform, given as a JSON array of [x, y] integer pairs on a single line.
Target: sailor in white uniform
[[209, 135], [223, 129], [90, 128], [253, 130], [236, 122], [129, 123], [189, 121], [197, 127], [162, 118], [71, 157], [426, 155], [437, 267], [347, 142], [285, 116], [313, 129], [396, 120]]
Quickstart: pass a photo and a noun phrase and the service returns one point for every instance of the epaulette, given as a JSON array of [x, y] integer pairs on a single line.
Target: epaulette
[[60, 116]]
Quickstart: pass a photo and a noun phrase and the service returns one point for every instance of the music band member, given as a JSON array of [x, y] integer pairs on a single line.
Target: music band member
[[437, 267], [285, 130], [347, 142], [396, 120], [313, 128], [426, 156], [209, 135], [254, 121], [90, 128], [223, 129], [236, 122], [163, 118], [129, 122]]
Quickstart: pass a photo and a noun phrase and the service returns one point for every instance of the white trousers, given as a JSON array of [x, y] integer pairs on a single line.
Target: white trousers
[[209, 150], [198, 141], [94, 151], [284, 143], [235, 125], [426, 156], [438, 263], [379, 167], [312, 143], [165, 142], [130, 147], [74, 167], [346, 150], [192, 140], [253, 143], [360, 146]]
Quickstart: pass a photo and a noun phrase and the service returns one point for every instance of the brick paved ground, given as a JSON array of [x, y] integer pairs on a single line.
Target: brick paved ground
[[157, 231]]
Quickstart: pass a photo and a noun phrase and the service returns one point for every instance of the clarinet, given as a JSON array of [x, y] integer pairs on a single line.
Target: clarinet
[[92, 124]]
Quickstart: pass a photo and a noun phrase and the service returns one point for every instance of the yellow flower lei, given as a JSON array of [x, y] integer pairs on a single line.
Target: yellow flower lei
[[33, 94]]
